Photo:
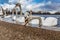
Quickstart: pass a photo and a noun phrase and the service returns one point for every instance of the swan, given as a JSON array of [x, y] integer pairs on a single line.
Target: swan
[[50, 21]]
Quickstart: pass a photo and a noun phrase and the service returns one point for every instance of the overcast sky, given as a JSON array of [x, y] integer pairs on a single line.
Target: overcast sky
[[36, 5]]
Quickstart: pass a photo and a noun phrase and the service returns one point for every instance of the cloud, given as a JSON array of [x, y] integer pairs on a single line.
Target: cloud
[[30, 5], [52, 6], [7, 6], [35, 7]]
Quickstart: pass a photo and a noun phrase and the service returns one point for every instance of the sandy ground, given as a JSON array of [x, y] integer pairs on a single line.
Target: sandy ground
[[18, 32]]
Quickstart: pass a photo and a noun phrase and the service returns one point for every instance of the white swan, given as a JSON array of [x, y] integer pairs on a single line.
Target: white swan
[[14, 17], [8, 16], [21, 19], [50, 21]]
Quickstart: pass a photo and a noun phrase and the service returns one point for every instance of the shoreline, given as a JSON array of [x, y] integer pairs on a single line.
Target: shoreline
[[42, 27], [11, 31]]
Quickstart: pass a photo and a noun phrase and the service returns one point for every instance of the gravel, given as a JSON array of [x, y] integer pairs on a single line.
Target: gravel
[[9, 31]]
